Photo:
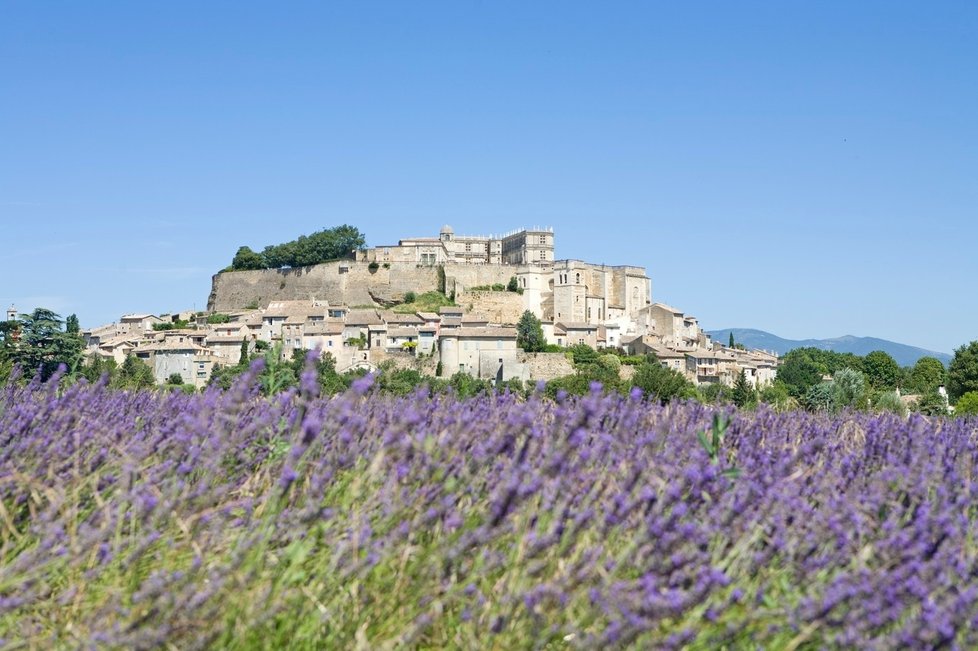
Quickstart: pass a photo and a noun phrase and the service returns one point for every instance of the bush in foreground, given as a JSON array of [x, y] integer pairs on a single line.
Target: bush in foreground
[[230, 520]]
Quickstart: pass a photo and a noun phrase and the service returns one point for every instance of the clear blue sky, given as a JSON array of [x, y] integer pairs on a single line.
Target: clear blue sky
[[807, 168]]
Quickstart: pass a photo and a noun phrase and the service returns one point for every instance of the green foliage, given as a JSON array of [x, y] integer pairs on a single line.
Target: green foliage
[[716, 393], [466, 386], [931, 404], [890, 401], [410, 297], [799, 372], [610, 361], [217, 317], [776, 395], [881, 370], [175, 378], [41, 344], [72, 327], [322, 246], [253, 305], [179, 324], [529, 333], [513, 285], [743, 394], [96, 367], [926, 375], [967, 404], [373, 266], [427, 302], [498, 287], [663, 383], [849, 389], [246, 260], [820, 397], [803, 368], [962, 374], [583, 354], [730, 341], [134, 374]]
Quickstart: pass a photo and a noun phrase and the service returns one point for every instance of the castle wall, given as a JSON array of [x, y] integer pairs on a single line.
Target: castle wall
[[504, 308], [341, 283]]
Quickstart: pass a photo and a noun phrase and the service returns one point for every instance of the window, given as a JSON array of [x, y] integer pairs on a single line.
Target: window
[[578, 279], [543, 239], [468, 246]]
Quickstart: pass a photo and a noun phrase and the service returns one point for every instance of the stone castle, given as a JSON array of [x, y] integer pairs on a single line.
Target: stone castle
[[558, 291]]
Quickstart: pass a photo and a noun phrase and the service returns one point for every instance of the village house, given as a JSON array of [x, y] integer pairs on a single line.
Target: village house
[[485, 353]]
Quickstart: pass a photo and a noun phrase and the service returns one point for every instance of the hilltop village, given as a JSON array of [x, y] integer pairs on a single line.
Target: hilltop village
[[365, 311]]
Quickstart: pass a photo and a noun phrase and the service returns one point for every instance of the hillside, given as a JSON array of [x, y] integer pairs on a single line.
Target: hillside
[[904, 355]]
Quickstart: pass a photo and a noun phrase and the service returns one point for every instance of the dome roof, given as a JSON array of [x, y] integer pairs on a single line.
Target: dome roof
[[447, 230]]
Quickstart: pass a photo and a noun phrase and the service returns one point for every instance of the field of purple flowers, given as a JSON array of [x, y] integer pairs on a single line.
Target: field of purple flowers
[[143, 520]]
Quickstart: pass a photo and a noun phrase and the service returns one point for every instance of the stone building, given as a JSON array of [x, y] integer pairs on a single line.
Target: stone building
[[522, 247]]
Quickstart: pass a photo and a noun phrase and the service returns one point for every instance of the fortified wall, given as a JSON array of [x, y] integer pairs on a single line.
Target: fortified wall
[[348, 282], [341, 283]]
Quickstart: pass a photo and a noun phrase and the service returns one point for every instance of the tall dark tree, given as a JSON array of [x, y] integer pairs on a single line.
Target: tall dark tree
[[743, 393], [42, 344], [529, 333], [962, 374], [731, 342], [72, 327]]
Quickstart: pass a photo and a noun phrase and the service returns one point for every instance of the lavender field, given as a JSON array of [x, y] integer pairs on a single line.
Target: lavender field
[[144, 520]]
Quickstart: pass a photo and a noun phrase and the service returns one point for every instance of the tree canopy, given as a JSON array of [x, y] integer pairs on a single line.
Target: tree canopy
[[962, 375], [926, 375], [322, 246], [39, 343], [529, 333]]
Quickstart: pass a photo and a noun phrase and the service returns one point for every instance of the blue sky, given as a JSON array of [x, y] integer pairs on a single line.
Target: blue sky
[[807, 168]]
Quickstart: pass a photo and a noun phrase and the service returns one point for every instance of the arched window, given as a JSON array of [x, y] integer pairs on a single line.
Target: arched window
[[578, 281]]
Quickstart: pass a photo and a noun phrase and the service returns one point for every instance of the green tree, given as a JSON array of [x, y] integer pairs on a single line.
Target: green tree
[[820, 397], [583, 354], [322, 246], [744, 394], [967, 404], [42, 344], [513, 285], [410, 297], [246, 259], [134, 374], [529, 333], [731, 342], [97, 366], [962, 374], [881, 370], [848, 389], [662, 383], [175, 378], [800, 371], [72, 327], [926, 375]]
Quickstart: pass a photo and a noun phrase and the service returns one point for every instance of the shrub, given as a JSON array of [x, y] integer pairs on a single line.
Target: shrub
[[967, 405], [410, 297]]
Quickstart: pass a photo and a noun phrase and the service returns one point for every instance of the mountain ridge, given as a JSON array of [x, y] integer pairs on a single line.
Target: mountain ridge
[[904, 354]]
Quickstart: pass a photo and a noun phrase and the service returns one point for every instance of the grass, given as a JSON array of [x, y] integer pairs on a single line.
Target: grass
[[427, 302]]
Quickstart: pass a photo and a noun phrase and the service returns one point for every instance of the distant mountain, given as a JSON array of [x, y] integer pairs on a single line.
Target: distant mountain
[[904, 355]]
